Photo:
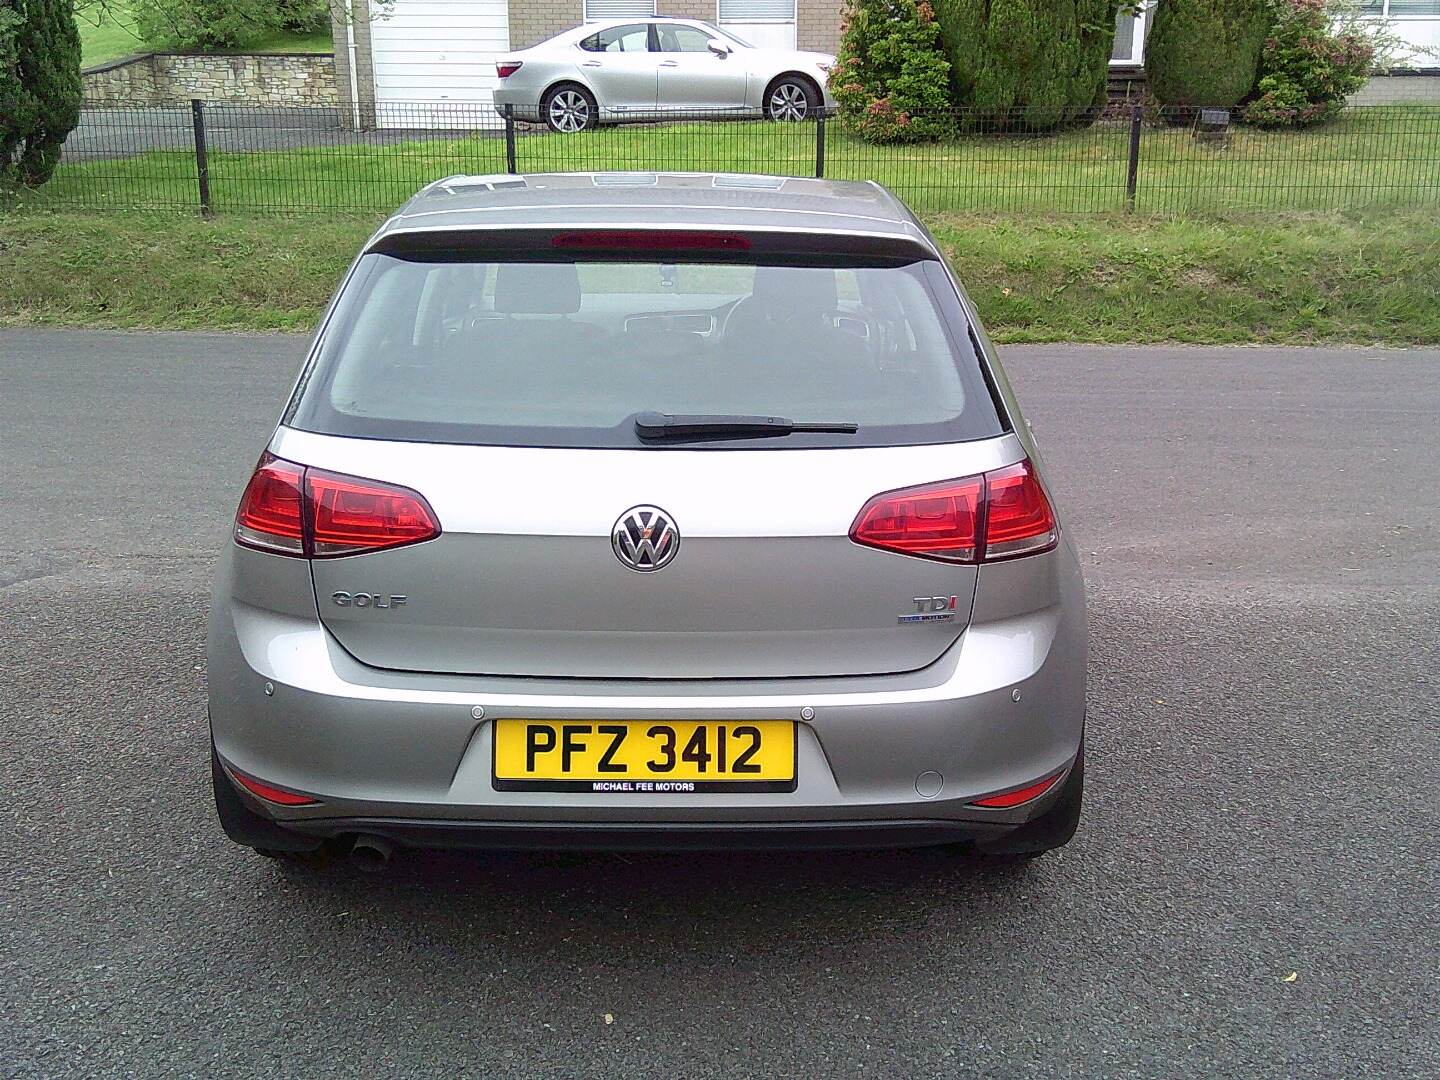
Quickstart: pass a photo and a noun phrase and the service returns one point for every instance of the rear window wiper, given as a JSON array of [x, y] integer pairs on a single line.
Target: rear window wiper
[[654, 425]]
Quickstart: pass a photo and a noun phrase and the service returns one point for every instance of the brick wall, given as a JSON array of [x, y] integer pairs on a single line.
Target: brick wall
[[818, 25], [1399, 90], [175, 78], [532, 21], [364, 110]]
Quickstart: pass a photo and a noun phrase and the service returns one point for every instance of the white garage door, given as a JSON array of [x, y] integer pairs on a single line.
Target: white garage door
[[435, 60]]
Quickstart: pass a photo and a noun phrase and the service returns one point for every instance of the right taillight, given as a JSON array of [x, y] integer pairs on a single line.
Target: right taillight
[[288, 509], [506, 68], [998, 515]]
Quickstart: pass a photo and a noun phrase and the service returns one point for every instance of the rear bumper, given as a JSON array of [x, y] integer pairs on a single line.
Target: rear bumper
[[523, 104], [633, 836], [407, 756]]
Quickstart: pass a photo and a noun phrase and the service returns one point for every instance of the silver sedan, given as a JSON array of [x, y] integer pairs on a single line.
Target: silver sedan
[[641, 69]]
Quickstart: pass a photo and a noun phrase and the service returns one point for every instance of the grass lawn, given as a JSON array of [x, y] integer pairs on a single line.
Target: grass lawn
[[107, 32], [1369, 158], [1357, 278]]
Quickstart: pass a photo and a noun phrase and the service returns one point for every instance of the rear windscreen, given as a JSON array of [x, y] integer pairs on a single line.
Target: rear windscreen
[[567, 354]]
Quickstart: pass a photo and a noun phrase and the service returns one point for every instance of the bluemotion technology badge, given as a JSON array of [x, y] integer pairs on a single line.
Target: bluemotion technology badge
[[931, 609]]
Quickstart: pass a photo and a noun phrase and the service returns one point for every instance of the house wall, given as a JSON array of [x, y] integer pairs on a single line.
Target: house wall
[[1399, 90], [818, 25], [354, 107], [174, 78], [532, 21]]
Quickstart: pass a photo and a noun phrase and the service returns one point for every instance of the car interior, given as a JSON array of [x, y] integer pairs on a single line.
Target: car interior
[[508, 342]]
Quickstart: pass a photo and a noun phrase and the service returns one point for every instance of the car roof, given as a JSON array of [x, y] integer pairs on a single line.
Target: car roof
[[649, 200]]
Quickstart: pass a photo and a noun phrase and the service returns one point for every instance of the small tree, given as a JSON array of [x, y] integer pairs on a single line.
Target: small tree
[[1205, 52], [889, 77], [1306, 69], [40, 87], [204, 25], [1036, 63]]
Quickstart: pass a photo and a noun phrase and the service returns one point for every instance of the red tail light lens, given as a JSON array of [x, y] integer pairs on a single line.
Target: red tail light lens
[[940, 521], [288, 509], [269, 793], [998, 515], [1015, 798], [507, 68], [271, 515], [349, 515], [1018, 518]]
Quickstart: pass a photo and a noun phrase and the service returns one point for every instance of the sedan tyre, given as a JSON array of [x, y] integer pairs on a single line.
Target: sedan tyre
[[570, 108], [791, 98]]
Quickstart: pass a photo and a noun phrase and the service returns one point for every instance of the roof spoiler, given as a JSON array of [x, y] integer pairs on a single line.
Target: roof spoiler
[[699, 243]]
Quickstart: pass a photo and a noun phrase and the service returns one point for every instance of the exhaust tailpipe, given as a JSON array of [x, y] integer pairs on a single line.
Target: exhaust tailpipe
[[371, 853]]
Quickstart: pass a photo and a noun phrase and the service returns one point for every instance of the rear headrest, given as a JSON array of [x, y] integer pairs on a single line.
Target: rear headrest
[[807, 289], [537, 289]]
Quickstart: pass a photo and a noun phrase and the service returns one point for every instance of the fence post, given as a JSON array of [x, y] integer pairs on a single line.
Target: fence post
[[510, 139], [820, 143], [1132, 169], [202, 160]]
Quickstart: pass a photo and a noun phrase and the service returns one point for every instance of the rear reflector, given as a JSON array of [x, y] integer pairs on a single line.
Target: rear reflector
[[651, 240], [506, 68], [269, 793], [288, 509], [997, 515], [1015, 798]]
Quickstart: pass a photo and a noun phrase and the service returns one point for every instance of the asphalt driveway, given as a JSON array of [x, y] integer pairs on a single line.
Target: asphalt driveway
[[1253, 891]]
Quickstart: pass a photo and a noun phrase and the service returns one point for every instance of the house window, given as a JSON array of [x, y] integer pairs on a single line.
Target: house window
[[1392, 8], [596, 10], [754, 11]]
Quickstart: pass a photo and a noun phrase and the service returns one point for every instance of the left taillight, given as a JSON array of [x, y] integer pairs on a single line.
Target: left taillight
[[506, 68], [272, 510], [1001, 514], [288, 509]]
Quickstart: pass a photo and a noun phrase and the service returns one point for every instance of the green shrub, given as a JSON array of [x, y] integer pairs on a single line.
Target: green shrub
[[303, 16], [1205, 52], [40, 87], [1306, 70], [204, 25], [889, 77], [1032, 63]]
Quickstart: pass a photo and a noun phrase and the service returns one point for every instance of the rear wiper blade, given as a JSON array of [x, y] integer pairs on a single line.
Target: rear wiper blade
[[654, 425]]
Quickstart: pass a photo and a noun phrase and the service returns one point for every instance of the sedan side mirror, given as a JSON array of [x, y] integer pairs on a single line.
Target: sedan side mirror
[[719, 48]]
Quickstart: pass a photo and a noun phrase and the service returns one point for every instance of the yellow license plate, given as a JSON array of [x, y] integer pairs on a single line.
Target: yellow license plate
[[644, 756]]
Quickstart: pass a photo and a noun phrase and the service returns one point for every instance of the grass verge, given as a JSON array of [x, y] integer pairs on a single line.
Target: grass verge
[[1294, 280], [1368, 158], [107, 32]]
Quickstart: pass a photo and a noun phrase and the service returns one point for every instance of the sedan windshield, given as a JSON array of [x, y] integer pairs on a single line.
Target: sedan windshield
[[570, 354]]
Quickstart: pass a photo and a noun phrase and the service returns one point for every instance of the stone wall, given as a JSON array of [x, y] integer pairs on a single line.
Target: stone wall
[[253, 78]]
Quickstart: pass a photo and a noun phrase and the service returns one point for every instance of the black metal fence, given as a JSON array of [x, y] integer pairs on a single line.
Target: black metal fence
[[236, 158]]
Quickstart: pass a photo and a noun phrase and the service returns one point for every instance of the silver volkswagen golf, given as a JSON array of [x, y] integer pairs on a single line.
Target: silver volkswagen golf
[[648, 511]]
